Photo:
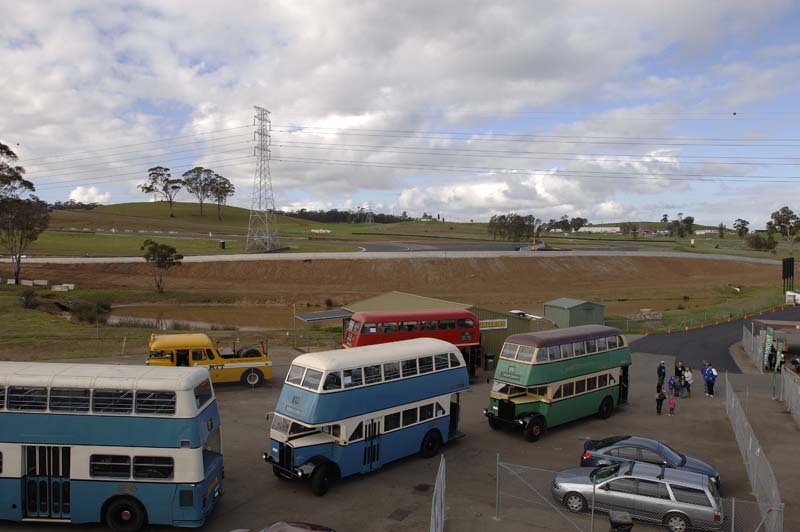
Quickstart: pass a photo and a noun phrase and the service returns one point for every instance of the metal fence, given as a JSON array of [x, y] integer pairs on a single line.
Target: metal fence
[[438, 502], [753, 346], [525, 499], [789, 392], [762, 479]]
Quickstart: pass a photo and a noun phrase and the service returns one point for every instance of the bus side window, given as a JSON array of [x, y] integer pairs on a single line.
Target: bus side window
[[390, 327], [368, 328], [409, 326], [447, 324], [441, 361], [391, 371], [620, 341], [391, 422], [602, 381], [611, 341], [333, 381], [554, 352], [466, 323], [410, 367], [439, 410], [591, 346], [541, 354], [557, 395], [580, 386], [197, 354], [579, 348], [425, 364], [591, 383], [352, 377], [183, 357], [566, 351], [425, 412], [601, 344], [372, 374], [454, 362], [409, 417], [358, 433]]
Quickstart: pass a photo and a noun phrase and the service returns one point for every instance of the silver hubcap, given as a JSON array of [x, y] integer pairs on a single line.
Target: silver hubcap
[[574, 503], [252, 378], [676, 524]]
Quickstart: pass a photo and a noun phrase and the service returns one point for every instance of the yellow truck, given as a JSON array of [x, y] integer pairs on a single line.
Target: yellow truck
[[249, 365]]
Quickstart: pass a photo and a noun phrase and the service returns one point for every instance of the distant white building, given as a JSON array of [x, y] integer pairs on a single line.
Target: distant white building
[[611, 229]]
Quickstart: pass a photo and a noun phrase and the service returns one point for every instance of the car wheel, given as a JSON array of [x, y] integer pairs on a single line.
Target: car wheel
[[534, 429], [252, 377], [575, 502], [606, 407], [125, 515], [677, 522], [493, 423], [321, 479], [431, 444]]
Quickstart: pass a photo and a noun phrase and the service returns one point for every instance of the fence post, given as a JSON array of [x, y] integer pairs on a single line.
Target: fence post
[[497, 490], [733, 514]]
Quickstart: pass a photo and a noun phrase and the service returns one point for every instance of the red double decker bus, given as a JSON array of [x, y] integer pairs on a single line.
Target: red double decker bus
[[454, 325]]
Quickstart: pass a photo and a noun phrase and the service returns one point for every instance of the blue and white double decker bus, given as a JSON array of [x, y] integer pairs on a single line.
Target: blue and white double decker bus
[[121, 445], [350, 411]]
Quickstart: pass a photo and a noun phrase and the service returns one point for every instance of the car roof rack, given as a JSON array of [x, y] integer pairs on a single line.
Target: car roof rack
[[661, 474], [630, 468]]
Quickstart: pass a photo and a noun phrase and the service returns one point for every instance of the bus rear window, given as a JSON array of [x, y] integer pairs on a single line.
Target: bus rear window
[[312, 379], [295, 375], [202, 393]]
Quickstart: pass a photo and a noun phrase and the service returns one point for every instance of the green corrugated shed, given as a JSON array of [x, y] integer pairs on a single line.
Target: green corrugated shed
[[491, 339], [567, 312]]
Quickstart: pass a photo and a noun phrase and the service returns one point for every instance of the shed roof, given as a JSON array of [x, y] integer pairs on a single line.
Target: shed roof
[[565, 302], [402, 301]]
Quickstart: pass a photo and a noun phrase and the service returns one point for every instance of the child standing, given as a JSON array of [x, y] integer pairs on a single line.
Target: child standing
[[672, 404]]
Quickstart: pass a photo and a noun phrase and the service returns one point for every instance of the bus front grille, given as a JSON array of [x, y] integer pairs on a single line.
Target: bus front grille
[[505, 410], [285, 456]]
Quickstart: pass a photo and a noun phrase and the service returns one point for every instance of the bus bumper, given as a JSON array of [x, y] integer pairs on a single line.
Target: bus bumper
[[518, 424], [288, 473]]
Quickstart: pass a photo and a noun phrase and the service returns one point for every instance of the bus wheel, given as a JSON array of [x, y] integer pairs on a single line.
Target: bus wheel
[[125, 514], [533, 431], [606, 407], [321, 479], [252, 377], [431, 444]]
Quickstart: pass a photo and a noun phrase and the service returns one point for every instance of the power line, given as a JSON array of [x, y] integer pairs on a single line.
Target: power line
[[25, 161], [556, 171], [520, 154], [518, 137]]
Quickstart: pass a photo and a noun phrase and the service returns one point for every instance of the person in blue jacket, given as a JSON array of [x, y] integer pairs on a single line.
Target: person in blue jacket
[[710, 378]]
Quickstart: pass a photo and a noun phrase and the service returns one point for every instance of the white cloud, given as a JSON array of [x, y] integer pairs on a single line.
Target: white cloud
[[89, 195]]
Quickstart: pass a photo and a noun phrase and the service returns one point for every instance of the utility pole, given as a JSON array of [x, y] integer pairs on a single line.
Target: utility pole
[[262, 231], [369, 217]]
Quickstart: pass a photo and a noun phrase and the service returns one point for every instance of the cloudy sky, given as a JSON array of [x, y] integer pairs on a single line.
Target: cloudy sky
[[620, 110]]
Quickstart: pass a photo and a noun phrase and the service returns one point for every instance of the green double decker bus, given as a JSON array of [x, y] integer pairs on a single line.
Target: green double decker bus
[[548, 378]]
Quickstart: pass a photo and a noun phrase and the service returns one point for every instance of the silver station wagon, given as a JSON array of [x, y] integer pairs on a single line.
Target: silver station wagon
[[681, 500]]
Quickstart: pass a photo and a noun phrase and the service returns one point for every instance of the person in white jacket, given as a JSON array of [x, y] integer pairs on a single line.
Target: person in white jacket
[[688, 380]]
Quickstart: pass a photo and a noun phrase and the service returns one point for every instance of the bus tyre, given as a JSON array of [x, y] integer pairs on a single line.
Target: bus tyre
[[321, 479], [252, 377], [677, 522], [606, 407], [431, 444], [534, 429], [125, 514], [575, 502]]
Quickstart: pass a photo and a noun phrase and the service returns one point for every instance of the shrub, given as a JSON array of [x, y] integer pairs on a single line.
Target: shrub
[[85, 311], [28, 297], [329, 303], [759, 243]]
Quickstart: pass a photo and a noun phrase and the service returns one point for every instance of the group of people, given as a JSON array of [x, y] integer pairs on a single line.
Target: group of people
[[680, 384], [773, 362]]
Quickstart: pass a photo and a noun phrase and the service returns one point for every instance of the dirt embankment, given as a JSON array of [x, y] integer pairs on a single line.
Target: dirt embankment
[[624, 284]]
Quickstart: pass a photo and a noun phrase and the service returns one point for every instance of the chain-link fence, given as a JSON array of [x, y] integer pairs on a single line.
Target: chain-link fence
[[762, 479], [525, 497], [789, 392], [753, 346]]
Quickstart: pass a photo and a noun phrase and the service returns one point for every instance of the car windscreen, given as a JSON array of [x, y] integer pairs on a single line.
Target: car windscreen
[[672, 456]]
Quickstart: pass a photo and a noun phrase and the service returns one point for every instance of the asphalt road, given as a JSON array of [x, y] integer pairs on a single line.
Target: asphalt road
[[378, 255], [709, 343]]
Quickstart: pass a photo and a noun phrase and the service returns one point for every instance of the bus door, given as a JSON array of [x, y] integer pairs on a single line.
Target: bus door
[[46, 484], [455, 411], [623, 385], [372, 445]]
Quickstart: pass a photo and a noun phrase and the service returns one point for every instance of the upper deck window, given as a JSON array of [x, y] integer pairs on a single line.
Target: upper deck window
[[27, 398], [425, 364], [579, 348], [466, 323], [525, 353], [69, 399], [447, 324], [442, 361], [202, 393], [454, 362], [112, 401], [155, 402], [410, 367], [372, 374], [391, 371], [388, 327], [509, 351], [428, 325], [295, 375], [567, 351], [612, 343], [333, 381], [352, 377], [409, 326], [2, 396], [601, 344], [368, 328], [312, 379]]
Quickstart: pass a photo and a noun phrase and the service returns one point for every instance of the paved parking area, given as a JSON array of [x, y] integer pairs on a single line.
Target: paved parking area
[[398, 497]]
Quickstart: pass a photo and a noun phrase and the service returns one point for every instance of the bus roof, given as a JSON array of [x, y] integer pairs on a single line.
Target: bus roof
[[375, 354], [177, 341], [400, 315], [560, 336], [101, 376]]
